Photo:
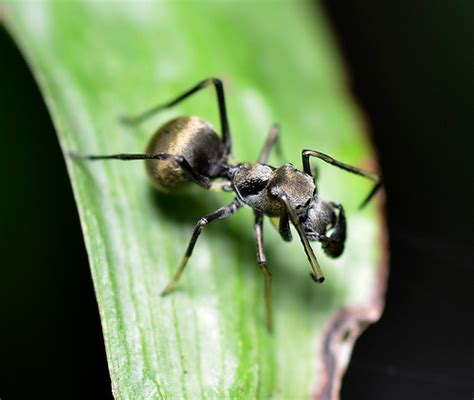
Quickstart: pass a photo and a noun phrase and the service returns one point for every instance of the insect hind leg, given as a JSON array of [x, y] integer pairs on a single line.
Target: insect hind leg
[[201, 180], [226, 137]]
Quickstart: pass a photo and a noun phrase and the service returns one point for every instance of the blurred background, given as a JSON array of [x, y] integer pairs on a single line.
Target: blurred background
[[410, 66]]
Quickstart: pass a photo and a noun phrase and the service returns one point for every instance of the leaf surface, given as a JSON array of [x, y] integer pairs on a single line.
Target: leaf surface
[[95, 61]]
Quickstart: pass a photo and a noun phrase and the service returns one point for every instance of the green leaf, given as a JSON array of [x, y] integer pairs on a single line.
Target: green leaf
[[95, 61]]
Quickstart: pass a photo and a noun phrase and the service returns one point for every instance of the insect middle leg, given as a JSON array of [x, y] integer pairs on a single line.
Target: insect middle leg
[[201, 85], [270, 142], [262, 263], [221, 213], [201, 180]]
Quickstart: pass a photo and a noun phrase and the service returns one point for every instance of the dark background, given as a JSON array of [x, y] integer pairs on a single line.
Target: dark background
[[50, 335], [412, 70]]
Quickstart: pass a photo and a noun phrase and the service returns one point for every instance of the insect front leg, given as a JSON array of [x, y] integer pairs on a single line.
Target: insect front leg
[[262, 263], [215, 216], [284, 226], [316, 273], [306, 154]]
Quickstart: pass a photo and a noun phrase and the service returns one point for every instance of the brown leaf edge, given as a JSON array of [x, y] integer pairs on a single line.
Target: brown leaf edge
[[349, 323]]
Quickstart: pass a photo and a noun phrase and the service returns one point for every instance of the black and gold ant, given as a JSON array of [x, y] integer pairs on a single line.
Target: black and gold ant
[[187, 149]]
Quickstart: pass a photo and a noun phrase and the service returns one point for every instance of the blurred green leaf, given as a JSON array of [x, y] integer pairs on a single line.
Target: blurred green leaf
[[95, 61]]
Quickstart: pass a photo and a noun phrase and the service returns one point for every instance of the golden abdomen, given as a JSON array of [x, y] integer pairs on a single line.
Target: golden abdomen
[[189, 137]]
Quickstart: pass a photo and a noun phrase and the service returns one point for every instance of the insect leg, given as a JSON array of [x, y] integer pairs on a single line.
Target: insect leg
[[221, 213], [201, 85], [284, 226], [262, 263], [317, 274], [183, 163], [270, 142], [306, 154]]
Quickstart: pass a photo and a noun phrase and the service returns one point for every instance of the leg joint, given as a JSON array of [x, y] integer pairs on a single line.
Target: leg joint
[[202, 222], [263, 267]]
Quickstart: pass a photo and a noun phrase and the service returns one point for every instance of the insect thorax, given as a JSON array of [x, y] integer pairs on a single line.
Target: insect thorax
[[261, 187]]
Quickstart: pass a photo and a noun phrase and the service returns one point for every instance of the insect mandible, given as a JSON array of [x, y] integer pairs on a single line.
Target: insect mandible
[[187, 149]]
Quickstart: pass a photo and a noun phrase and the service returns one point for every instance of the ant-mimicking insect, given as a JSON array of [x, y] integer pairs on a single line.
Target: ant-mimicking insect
[[187, 149]]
